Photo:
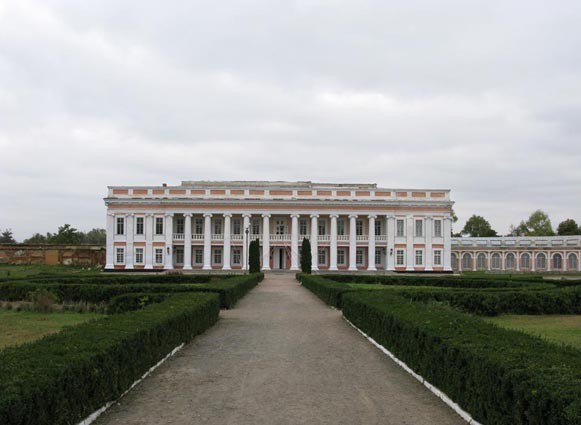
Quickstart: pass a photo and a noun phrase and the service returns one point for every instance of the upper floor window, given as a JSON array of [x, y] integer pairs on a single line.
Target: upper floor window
[[159, 225], [180, 225], [279, 227], [419, 228], [359, 227], [340, 227], [199, 226], [322, 227], [217, 226], [236, 226], [120, 229], [255, 226], [399, 231], [438, 228], [303, 226], [378, 227], [139, 225]]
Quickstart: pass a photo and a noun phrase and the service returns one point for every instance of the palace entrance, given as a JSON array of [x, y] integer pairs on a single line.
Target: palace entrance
[[279, 258]]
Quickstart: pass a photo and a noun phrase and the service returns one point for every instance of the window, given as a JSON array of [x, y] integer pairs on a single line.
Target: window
[[179, 253], [419, 257], [437, 228], [256, 226], [419, 228], [437, 257], [158, 255], [180, 225], [120, 230], [510, 261], [341, 257], [399, 257], [525, 261], [236, 226], [496, 261], [378, 227], [198, 256], [340, 227], [139, 225], [557, 262], [236, 257], [378, 255], [159, 225], [138, 255], [217, 226], [322, 256], [120, 255], [279, 227], [322, 227], [573, 264], [399, 228], [199, 226], [217, 255], [303, 226], [467, 261], [541, 261], [359, 227], [481, 262], [359, 257]]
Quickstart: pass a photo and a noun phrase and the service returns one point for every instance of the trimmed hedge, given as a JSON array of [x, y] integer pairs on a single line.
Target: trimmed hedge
[[230, 290], [499, 376], [64, 377], [108, 279], [328, 291], [131, 302]]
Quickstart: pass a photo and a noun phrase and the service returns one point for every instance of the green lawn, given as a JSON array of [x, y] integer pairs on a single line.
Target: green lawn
[[17, 327], [17, 271], [557, 328]]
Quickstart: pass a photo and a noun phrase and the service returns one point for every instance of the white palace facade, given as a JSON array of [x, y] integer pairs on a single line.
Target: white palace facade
[[206, 225]]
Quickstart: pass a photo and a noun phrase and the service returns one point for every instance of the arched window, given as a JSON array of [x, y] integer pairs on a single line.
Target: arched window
[[496, 261], [557, 262], [510, 261], [467, 261], [541, 261], [573, 263], [481, 261], [525, 261], [454, 262]]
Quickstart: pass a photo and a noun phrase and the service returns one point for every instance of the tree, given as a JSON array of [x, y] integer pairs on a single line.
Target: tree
[[37, 238], [568, 227], [520, 230], [306, 256], [539, 224], [94, 237], [254, 257], [66, 235], [6, 237], [478, 226]]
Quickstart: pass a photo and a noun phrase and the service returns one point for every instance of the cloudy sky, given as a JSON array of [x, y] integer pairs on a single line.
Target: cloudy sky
[[482, 97]]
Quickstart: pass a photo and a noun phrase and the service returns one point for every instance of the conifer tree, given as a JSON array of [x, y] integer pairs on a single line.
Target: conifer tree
[[306, 256]]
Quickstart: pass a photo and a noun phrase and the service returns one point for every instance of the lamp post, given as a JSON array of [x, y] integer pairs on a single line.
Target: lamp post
[[247, 231]]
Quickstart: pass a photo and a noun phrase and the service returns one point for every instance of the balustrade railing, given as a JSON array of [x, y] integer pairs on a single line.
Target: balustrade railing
[[178, 236], [280, 238]]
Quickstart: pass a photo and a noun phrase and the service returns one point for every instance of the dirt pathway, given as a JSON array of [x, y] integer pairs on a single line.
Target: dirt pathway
[[280, 357]]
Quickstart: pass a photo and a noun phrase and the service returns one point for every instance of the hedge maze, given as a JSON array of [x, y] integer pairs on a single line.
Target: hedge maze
[[435, 326], [65, 377]]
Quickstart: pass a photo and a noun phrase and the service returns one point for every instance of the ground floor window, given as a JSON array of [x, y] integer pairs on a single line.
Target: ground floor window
[[541, 261], [378, 256], [496, 261], [217, 255], [138, 255], [437, 257], [573, 263], [399, 257], [236, 256], [341, 257], [120, 255], [322, 257], [179, 253], [158, 255], [359, 257], [198, 256], [510, 261], [467, 261], [481, 262], [419, 257], [525, 261], [557, 262]]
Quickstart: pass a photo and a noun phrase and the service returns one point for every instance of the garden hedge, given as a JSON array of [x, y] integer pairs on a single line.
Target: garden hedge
[[497, 375], [63, 378], [108, 279]]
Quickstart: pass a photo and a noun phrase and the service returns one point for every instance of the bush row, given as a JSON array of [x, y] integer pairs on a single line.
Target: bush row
[[111, 279], [230, 290], [499, 376], [329, 291], [63, 378], [133, 301]]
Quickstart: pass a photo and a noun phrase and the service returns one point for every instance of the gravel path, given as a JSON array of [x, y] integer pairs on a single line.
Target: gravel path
[[280, 357]]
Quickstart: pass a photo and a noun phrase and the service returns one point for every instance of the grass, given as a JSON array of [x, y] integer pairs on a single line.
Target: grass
[[564, 329], [18, 327], [30, 270]]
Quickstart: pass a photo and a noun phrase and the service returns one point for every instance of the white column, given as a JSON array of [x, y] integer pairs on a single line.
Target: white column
[[188, 242], [333, 243], [533, 261], [352, 242], [549, 259], [429, 257], [168, 242], [148, 241], [564, 254], [448, 245], [474, 254], [390, 243], [517, 259], [226, 259], [314, 242], [129, 260], [265, 241], [245, 242], [110, 253], [371, 244], [207, 242], [294, 242], [410, 260]]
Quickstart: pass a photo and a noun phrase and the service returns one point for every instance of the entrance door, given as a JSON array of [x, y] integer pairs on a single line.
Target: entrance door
[[278, 259], [281, 258]]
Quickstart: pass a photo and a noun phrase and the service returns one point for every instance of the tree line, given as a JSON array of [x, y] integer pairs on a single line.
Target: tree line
[[66, 235], [538, 224]]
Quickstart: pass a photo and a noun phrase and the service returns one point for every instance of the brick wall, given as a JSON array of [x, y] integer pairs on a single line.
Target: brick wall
[[77, 255]]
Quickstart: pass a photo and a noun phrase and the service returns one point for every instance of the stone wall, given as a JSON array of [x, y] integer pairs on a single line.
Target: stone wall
[[77, 255]]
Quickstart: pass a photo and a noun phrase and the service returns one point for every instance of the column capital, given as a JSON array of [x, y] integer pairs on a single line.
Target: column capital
[[373, 216], [246, 215], [207, 215], [429, 217], [227, 215], [314, 215], [110, 214], [149, 214], [265, 215], [334, 215], [295, 215], [388, 216], [169, 214], [188, 214], [353, 216], [129, 214]]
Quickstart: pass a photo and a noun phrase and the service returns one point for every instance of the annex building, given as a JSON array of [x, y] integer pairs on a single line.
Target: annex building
[[206, 225]]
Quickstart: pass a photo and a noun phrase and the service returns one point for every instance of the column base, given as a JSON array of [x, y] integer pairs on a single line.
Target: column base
[[428, 269], [352, 269], [390, 269], [409, 269], [109, 267], [226, 268], [129, 267], [449, 269], [168, 268], [314, 269], [148, 267], [187, 268], [294, 269], [371, 269], [207, 268], [333, 269]]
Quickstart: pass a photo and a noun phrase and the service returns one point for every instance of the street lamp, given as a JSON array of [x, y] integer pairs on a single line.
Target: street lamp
[[247, 231]]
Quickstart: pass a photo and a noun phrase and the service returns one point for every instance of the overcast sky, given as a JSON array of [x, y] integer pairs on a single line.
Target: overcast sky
[[481, 97]]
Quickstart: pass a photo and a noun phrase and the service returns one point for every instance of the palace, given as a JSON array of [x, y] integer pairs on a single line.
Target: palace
[[207, 225]]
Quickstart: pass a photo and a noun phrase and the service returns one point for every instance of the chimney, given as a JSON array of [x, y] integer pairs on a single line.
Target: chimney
[[164, 184]]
